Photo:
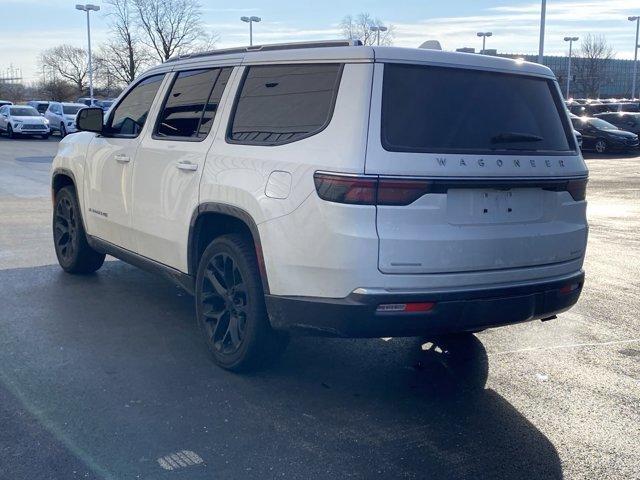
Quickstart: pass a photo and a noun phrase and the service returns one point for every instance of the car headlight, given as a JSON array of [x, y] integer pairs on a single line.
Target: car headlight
[[46, 122], [17, 122], [69, 124]]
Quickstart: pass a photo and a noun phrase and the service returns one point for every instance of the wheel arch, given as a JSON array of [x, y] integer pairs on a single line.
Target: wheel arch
[[210, 220]]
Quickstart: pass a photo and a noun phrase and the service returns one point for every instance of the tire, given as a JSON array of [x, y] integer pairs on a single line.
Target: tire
[[63, 130], [70, 240], [10, 132], [601, 146], [230, 306]]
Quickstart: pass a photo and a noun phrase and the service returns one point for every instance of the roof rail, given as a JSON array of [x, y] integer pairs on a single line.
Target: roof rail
[[270, 47]]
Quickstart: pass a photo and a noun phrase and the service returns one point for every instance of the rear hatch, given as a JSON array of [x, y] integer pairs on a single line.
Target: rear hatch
[[478, 170]]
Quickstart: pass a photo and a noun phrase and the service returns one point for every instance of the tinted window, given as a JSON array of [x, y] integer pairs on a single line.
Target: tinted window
[[131, 114], [435, 109], [71, 109], [42, 107], [192, 103], [284, 103], [24, 112]]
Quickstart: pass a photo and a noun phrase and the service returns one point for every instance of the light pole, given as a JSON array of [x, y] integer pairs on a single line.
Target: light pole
[[570, 40], [543, 21], [635, 57], [250, 21], [377, 29], [484, 36], [89, 8]]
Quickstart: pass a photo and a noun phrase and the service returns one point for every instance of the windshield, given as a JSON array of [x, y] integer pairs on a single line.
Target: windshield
[[24, 112], [437, 109], [601, 124], [71, 109]]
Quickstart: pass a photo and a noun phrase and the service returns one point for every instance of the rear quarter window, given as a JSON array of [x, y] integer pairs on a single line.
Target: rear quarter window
[[279, 104], [454, 110]]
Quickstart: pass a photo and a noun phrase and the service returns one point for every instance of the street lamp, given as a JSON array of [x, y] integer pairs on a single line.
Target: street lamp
[[635, 58], [377, 29], [570, 40], [89, 8], [543, 21], [250, 21], [484, 36]]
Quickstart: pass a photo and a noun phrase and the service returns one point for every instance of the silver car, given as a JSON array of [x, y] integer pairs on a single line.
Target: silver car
[[22, 120], [62, 117]]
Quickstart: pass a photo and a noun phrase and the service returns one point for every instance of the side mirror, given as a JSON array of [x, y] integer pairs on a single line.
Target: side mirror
[[90, 119]]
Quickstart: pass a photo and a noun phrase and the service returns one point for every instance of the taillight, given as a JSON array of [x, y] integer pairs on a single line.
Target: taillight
[[578, 189], [346, 189], [362, 190], [401, 192]]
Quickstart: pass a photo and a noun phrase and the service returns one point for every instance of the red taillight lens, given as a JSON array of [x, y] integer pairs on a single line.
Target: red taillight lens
[[571, 287], [369, 190], [578, 189], [420, 307], [401, 192], [345, 189]]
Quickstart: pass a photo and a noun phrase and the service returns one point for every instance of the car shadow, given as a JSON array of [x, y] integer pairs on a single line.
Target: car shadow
[[113, 365]]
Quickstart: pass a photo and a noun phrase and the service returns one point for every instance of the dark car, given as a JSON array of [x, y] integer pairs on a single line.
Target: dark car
[[602, 136], [40, 105], [629, 122]]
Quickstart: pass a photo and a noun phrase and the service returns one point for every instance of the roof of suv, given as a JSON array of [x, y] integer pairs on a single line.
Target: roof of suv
[[336, 52]]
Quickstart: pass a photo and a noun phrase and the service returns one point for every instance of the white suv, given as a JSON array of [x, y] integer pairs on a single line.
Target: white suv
[[333, 189]]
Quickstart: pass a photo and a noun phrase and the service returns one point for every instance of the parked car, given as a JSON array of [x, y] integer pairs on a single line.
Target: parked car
[[22, 120], [62, 117], [5, 102], [602, 137], [633, 107], [104, 104], [629, 122], [40, 105], [578, 138], [333, 189], [87, 102]]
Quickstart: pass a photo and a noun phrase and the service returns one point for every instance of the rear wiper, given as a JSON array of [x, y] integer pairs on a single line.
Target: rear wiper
[[515, 137]]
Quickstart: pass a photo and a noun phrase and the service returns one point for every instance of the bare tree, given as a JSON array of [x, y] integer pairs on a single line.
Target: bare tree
[[171, 27], [69, 63], [359, 28], [124, 56], [591, 65]]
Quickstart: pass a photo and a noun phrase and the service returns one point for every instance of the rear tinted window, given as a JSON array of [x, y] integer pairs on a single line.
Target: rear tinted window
[[451, 110], [192, 103], [283, 103]]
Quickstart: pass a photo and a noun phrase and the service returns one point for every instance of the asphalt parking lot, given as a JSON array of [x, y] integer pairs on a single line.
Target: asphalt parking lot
[[106, 376]]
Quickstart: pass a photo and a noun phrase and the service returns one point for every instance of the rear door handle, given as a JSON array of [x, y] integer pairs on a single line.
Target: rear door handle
[[191, 167], [122, 158]]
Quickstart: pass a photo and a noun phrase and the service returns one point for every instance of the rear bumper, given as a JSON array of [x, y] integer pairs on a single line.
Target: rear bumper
[[455, 311]]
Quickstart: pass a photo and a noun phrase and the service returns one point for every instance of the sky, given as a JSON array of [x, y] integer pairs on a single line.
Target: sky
[[29, 26]]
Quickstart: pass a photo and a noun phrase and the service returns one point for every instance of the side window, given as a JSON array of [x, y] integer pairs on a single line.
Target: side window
[[131, 113], [192, 103], [280, 104]]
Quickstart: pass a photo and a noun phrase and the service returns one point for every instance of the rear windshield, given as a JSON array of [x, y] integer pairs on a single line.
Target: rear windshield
[[453, 110], [24, 112], [71, 109]]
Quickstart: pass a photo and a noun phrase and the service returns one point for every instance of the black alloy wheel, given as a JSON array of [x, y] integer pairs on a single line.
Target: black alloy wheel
[[225, 304]]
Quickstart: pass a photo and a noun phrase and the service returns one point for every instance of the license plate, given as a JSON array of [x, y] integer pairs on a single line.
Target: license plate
[[466, 206]]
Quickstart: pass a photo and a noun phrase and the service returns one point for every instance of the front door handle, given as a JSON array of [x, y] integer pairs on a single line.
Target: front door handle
[[191, 167], [122, 158]]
